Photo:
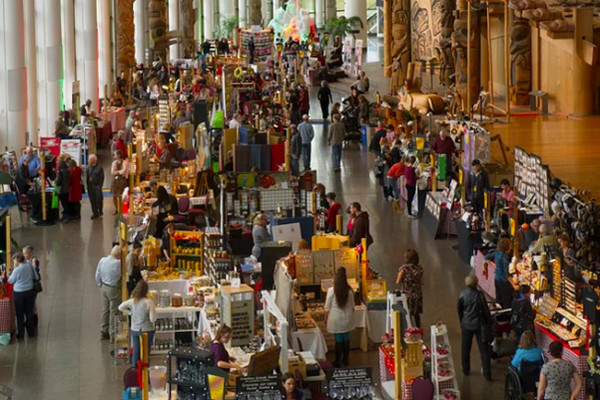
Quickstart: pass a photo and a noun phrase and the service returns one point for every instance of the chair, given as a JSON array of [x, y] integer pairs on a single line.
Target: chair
[[183, 205]]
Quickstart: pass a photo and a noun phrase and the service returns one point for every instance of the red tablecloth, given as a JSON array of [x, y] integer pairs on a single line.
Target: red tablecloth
[[103, 134]]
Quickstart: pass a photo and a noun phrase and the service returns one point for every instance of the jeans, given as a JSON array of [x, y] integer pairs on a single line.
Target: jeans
[[96, 199], [306, 155], [111, 298], [24, 306], [466, 339], [336, 155], [135, 338], [393, 183], [410, 190], [294, 166]]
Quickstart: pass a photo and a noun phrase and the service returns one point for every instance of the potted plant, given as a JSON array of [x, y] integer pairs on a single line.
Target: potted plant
[[342, 26]]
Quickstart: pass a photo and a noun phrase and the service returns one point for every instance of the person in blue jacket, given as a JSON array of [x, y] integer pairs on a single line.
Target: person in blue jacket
[[501, 257], [527, 351]]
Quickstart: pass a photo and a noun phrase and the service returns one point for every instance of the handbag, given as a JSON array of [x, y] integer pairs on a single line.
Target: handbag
[[37, 284], [54, 198], [487, 335]]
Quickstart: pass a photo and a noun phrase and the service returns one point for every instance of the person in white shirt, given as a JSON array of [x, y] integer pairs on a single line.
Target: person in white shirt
[[235, 122], [143, 315], [339, 305], [108, 277]]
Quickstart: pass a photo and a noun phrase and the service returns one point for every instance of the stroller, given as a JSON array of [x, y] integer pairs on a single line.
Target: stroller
[[350, 121], [503, 345]]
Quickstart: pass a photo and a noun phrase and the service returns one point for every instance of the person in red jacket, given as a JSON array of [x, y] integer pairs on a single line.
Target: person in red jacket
[[395, 172], [75, 189], [332, 212], [120, 143]]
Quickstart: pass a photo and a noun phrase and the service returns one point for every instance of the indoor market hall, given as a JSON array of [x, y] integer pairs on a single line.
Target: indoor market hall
[[329, 199]]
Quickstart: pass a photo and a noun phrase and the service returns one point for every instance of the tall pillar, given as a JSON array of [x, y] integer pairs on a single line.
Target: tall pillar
[[330, 9], [49, 63], [68, 37], [16, 75], [173, 26], [141, 38], [187, 19], [105, 48], [226, 10], [319, 13], [31, 60], [90, 54], [208, 22], [358, 8], [124, 35], [243, 13]]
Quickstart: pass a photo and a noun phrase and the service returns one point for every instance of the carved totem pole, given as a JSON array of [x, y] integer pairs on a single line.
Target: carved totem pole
[[187, 18], [255, 12], [445, 50], [125, 36], [465, 83], [400, 41], [160, 37], [520, 61]]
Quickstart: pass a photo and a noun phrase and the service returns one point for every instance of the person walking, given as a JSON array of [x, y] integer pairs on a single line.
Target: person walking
[[63, 181], [556, 376], [360, 228], [295, 150], [95, 180], [339, 304], [324, 96], [75, 189], [410, 176], [335, 138], [108, 278], [307, 133], [475, 320], [23, 277], [119, 170], [410, 279], [143, 315]]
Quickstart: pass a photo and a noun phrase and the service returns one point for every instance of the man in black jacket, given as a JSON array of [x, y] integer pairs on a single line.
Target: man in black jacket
[[360, 228], [374, 146], [479, 183], [95, 179], [475, 320]]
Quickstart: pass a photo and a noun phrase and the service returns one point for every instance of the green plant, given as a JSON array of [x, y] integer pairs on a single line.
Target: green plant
[[228, 26], [342, 26]]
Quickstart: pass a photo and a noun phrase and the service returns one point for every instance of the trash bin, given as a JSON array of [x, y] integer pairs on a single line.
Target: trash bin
[[363, 135]]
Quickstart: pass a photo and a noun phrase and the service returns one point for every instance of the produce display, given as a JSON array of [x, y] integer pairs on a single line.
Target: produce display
[[187, 250]]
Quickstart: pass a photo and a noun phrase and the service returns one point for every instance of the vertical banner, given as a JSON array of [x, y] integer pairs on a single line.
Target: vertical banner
[[358, 52], [347, 55]]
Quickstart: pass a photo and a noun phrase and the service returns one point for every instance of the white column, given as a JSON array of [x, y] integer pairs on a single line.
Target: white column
[[358, 8], [208, 21], [90, 54], [173, 26], [139, 16], [319, 13], [68, 37], [16, 76], [31, 60], [330, 10], [105, 53], [226, 9], [243, 13]]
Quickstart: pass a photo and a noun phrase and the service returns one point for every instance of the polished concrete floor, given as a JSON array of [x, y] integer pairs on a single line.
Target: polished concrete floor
[[68, 361]]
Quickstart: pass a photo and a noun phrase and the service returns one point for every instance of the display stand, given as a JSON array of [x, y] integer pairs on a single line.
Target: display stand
[[175, 326], [237, 311], [438, 216], [270, 309], [393, 299], [439, 336]]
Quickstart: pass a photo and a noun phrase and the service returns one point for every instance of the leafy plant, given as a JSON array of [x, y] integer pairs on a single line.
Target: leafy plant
[[342, 26], [226, 27]]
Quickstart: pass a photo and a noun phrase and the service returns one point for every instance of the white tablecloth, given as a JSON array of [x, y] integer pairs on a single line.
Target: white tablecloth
[[373, 320], [312, 340]]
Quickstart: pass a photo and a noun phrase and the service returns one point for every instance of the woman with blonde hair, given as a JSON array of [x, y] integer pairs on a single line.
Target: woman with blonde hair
[[143, 315], [260, 233]]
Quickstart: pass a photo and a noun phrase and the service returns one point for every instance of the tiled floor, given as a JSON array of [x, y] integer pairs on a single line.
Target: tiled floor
[[68, 361]]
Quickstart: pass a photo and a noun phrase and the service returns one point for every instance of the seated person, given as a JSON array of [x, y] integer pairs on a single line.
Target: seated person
[[335, 60], [546, 238], [527, 351]]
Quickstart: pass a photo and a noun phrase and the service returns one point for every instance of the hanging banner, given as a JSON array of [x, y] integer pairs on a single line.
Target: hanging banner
[[347, 55], [71, 147], [358, 52], [52, 144]]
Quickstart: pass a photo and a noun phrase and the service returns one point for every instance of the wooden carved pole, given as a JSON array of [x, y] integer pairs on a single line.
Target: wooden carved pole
[[124, 32], [387, 37], [520, 59]]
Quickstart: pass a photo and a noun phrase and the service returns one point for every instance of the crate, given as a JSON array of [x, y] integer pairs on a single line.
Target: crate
[[296, 365]]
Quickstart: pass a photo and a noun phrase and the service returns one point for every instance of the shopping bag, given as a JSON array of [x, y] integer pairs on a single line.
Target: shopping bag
[[54, 200], [4, 339], [218, 121]]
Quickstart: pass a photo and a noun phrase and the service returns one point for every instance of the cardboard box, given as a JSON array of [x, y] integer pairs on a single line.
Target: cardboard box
[[299, 365]]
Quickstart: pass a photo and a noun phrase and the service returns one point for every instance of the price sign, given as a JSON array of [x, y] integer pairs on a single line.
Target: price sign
[[267, 385]]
